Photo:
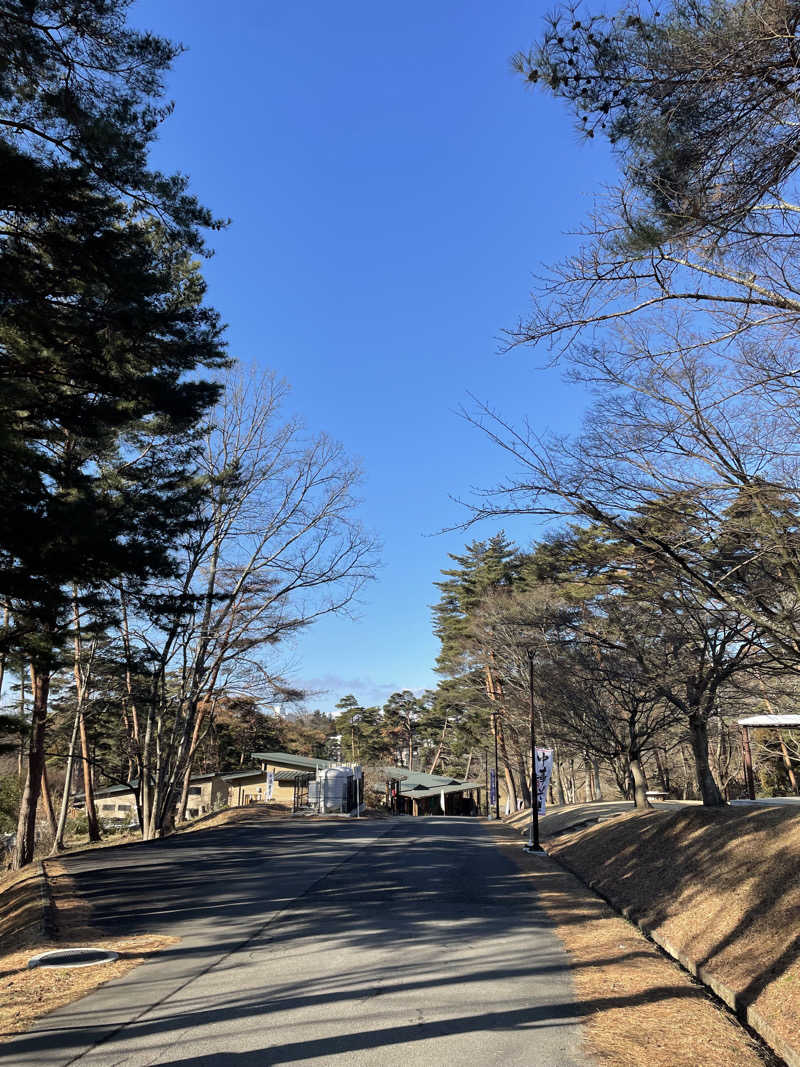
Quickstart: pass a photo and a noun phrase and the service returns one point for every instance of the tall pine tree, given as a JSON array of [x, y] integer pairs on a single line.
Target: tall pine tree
[[103, 329]]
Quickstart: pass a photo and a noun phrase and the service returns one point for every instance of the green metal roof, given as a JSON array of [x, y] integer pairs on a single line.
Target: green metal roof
[[289, 759], [456, 787], [243, 774], [286, 775], [413, 780]]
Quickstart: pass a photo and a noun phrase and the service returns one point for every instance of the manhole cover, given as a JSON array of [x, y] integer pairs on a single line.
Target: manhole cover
[[72, 957]]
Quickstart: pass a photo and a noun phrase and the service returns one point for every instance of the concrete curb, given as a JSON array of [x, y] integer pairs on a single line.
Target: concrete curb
[[744, 1012]]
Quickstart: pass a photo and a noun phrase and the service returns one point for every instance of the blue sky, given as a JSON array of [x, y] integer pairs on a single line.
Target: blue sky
[[393, 188]]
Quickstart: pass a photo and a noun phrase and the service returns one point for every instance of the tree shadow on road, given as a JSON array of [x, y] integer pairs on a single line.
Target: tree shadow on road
[[430, 919]]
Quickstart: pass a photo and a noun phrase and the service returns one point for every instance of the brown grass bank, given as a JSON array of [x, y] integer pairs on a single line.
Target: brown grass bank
[[720, 890], [639, 1009], [40, 910]]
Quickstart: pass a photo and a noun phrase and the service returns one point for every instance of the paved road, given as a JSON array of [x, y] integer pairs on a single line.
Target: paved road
[[404, 941]]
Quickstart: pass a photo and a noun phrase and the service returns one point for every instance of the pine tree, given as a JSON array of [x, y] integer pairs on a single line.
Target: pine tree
[[103, 329], [486, 566]]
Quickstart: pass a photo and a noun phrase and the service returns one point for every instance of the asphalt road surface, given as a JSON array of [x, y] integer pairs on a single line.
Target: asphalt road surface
[[341, 942]]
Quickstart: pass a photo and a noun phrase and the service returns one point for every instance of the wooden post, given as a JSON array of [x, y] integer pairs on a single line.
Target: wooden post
[[788, 763], [747, 758]]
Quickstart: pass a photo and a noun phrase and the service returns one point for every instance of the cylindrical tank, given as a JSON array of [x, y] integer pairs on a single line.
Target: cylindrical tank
[[333, 788]]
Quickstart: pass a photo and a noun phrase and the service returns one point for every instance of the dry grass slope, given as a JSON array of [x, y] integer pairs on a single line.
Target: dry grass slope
[[639, 1008], [21, 908], [721, 888], [25, 995]]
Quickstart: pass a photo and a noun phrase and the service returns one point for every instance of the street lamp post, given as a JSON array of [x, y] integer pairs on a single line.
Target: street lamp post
[[533, 836], [496, 774], [486, 777]]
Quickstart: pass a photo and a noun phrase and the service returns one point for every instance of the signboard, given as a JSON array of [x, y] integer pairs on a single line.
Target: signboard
[[270, 784], [492, 787], [544, 768]]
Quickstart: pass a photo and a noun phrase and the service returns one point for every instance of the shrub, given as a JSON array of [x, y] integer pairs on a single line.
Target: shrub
[[10, 792]]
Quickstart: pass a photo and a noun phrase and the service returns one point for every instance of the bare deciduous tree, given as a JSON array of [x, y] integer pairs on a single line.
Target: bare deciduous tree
[[276, 547]]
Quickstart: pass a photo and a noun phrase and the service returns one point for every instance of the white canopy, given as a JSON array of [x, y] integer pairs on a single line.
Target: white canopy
[[771, 720]]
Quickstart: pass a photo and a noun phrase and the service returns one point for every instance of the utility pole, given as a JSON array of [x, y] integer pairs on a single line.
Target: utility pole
[[486, 777], [533, 837]]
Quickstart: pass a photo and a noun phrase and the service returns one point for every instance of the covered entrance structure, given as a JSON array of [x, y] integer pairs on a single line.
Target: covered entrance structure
[[417, 793], [766, 722]]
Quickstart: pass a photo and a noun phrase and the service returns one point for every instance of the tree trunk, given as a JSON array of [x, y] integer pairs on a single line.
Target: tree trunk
[[510, 784], [639, 783], [523, 782], [6, 618], [58, 840], [88, 783], [686, 782], [48, 802], [598, 789], [21, 752], [560, 796], [787, 763], [662, 775], [187, 774], [26, 826], [587, 785], [698, 737], [494, 690], [437, 757]]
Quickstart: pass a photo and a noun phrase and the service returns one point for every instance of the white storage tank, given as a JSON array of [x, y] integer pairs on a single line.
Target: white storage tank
[[336, 789]]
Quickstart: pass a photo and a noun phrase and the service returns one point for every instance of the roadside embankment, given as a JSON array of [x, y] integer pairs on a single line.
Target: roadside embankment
[[22, 907], [40, 910], [719, 890]]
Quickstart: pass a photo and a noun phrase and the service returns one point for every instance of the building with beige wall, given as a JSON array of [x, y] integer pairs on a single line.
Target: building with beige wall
[[117, 803], [207, 792], [289, 787]]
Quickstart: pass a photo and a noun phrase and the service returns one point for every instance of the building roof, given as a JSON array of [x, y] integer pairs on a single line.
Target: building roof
[[403, 774], [455, 787], [109, 790], [132, 786], [413, 781], [249, 773], [289, 759], [771, 720], [283, 774]]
